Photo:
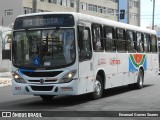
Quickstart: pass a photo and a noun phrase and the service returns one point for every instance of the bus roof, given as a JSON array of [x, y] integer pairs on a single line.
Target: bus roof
[[95, 19]]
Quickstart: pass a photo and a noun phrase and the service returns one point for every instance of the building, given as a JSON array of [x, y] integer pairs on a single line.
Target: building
[[110, 9]]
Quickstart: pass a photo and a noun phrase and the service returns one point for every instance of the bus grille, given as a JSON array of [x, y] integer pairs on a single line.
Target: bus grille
[[42, 88], [45, 81], [42, 74]]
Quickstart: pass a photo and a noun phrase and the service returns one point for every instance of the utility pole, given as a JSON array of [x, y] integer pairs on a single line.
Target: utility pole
[[77, 5], [34, 6], [153, 15]]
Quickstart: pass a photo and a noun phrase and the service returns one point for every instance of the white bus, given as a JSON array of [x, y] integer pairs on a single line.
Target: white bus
[[67, 53]]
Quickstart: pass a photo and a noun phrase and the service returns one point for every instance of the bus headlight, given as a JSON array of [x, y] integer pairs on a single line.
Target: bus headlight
[[18, 78], [68, 77]]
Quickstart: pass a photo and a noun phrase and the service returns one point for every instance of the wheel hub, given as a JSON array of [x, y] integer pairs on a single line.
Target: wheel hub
[[97, 87]]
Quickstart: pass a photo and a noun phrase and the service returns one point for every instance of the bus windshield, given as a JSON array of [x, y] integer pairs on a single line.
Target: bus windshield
[[44, 48]]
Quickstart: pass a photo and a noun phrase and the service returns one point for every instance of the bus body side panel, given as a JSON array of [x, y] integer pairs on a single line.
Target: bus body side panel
[[86, 79], [123, 68], [104, 61], [148, 72], [155, 63]]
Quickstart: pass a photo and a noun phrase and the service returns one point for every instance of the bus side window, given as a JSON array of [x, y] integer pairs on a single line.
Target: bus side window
[[147, 43], [153, 43], [121, 41], [131, 43], [84, 46], [140, 43], [97, 37], [109, 40]]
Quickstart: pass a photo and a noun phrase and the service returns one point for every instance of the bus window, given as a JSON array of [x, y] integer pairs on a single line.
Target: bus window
[[147, 43], [153, 43], [109, 40], [140, 43], [131, 43], [121, 42], [84, 46], [97, 37]]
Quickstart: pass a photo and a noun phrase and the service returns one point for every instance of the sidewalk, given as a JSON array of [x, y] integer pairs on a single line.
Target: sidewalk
[[5, 79]]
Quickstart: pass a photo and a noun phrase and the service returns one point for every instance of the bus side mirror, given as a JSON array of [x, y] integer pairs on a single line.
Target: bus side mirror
[[85, 35]]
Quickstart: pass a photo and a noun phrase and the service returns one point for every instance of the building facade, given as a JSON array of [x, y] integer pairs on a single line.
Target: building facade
[[109, 9]]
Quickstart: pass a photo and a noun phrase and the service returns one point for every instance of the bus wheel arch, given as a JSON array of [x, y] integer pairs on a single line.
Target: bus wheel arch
[[101, 73]]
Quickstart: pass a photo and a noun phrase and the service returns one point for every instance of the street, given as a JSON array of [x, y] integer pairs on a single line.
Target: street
[[116, 99]]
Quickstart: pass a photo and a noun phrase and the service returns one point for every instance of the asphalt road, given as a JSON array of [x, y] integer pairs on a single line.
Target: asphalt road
[[116, 99]]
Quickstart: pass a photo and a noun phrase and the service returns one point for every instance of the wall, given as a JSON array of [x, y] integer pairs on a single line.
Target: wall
[[15, 5]]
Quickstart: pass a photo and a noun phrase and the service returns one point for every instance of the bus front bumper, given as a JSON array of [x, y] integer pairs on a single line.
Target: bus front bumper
[[45, 89]]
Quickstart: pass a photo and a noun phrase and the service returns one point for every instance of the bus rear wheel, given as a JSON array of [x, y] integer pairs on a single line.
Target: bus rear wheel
[[47, 98], [98, 88], [140, 80]]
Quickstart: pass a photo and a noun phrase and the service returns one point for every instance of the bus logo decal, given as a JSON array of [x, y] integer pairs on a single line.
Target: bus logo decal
[[36, 61], [136, 60]]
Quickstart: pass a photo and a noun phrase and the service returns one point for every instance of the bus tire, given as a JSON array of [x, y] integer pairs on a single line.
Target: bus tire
[[140, 80], [47, 98], [98, 88]]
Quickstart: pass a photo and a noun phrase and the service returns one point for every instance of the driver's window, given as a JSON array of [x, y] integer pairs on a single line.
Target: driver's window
[[84, 46]]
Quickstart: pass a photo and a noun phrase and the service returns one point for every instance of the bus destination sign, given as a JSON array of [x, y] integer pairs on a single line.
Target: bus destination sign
[[43, 21]]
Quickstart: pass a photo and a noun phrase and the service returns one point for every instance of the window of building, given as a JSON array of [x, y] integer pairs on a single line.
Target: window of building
[[72, 3], [8, 12], [131, 43], [110, 11], [97, 37], [27, 10], [109, 40], [135, 4], [140, 42], [121, 42], [83, 6], [92, 7], [101, 9], [130, 3]]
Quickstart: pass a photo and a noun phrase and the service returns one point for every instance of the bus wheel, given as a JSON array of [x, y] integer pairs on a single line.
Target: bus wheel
[[47, 97], [98, 88], [140, 80]]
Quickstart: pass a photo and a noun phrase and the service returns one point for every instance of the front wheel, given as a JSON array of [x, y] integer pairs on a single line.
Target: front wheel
[[98, 88], [47, 98]]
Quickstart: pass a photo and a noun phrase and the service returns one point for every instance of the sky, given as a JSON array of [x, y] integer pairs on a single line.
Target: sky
[[147, 11]]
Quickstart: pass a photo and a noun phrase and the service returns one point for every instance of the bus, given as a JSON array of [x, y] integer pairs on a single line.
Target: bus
[[159, 52], [69, 53]]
